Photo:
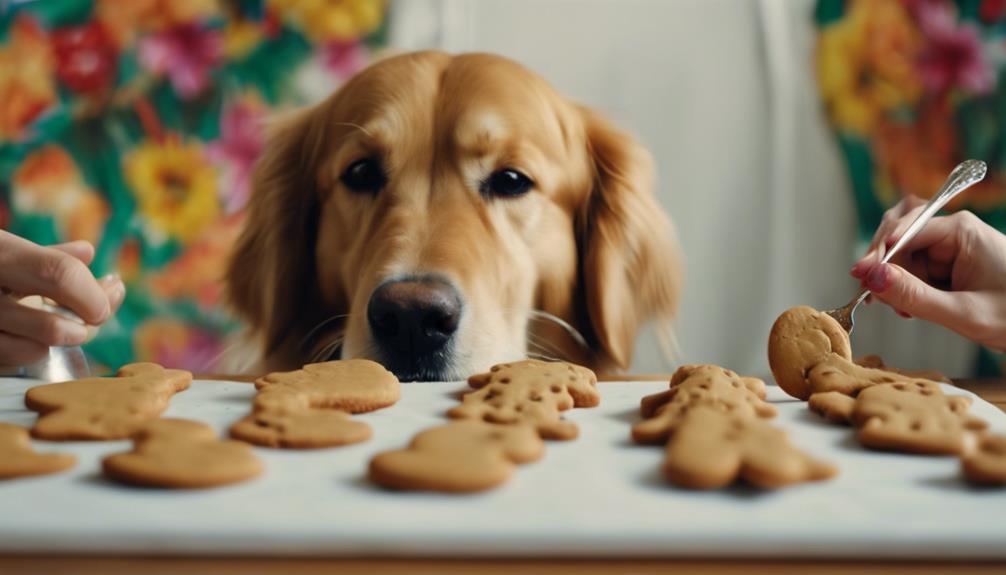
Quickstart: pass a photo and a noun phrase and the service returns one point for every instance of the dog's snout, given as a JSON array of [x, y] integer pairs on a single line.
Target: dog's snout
[[415, 316]]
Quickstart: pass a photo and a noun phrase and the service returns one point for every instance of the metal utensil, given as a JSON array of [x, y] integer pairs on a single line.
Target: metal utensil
[[965, 175], [62, 363]]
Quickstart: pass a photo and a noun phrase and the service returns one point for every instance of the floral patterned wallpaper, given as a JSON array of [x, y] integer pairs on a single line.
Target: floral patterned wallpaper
[[911, 88], [134, 124]]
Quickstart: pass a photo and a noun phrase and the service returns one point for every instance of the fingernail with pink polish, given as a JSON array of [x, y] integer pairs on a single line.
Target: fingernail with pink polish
[[879, 278], [859, 269]]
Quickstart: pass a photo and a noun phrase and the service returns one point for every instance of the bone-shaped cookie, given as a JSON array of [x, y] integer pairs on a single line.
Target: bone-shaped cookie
[[693, 385], [181, 453], [18, 459], [711, 449], [104, 407], [533, 392], [462, 456]]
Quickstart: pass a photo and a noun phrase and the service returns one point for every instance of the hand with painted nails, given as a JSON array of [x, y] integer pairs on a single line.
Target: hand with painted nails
[[952, 273], [58, 273]]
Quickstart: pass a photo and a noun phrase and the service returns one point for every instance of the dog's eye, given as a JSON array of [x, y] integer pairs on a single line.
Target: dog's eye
[[507, 183], [364, 175]]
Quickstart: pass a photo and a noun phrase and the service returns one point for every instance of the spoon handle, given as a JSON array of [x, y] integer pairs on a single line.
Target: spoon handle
[[965, 175]]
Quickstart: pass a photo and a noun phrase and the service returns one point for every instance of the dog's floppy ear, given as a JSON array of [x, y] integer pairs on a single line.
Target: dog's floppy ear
[[629, 255], [268, 277]]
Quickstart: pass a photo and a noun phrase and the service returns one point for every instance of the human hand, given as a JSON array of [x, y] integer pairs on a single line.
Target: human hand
[[59, 273], [952, 273]]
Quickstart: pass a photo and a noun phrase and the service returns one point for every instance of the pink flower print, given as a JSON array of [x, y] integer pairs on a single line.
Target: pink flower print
[[186, 54], [953, 57], [241, 141], [343, 59]]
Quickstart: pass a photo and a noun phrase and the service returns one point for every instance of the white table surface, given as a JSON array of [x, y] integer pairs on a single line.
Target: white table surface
[[598, 496]]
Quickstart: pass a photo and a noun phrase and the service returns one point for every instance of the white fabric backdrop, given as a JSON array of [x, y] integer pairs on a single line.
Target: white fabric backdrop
[[723, 94]]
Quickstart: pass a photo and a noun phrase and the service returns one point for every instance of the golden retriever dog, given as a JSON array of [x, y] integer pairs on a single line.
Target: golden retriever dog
[[440, 214]]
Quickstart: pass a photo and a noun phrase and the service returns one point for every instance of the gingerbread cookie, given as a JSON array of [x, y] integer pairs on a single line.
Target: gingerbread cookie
[[533, 392], [462, 456], [308, 429], [833, 406], [104, 407], [693, 385], [711, 449], [801, 338], [351, 385], [18, 459], [308, 408], [914, 417], [986, 463], [838, 374], [184, 454], [875, 362]]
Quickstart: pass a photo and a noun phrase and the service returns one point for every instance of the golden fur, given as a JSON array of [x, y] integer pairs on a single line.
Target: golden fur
[[589, 244]]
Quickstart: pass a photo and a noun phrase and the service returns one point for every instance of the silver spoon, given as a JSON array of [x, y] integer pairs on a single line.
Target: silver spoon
[[965, 175]]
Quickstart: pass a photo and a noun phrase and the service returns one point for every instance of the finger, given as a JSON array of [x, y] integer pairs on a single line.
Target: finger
[[898, 228], [907, 293], [41, 326], [939, 239], [910, 202], [17, 351], [862, 268], [81, 250], [27, 268], [115, 290]]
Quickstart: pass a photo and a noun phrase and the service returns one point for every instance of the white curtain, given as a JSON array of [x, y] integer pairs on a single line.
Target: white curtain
[[723, 94]]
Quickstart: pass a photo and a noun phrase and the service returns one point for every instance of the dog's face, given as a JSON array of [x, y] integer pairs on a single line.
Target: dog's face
[[429, 212]]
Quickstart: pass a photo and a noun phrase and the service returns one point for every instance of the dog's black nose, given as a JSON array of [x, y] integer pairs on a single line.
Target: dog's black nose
[[414, 317]]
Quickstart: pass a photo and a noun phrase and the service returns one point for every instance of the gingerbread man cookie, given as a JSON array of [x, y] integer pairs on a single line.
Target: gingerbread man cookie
[[530, 391], [810, 353], [914, 417], [104, 407], [712, 448], [801, 338], [693, 385]]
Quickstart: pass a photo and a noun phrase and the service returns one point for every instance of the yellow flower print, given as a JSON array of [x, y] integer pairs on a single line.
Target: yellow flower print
[[332, 20], [174, 186], [866, 64], [240, 38]]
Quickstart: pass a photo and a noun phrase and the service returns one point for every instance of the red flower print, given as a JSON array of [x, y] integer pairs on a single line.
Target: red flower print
[[85, 57], [992, 11]]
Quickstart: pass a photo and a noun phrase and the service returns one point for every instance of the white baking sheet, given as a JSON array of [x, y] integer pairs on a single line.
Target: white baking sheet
[[597, 496]]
